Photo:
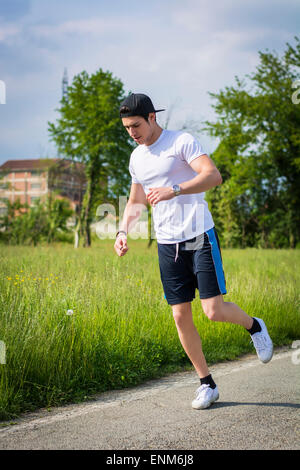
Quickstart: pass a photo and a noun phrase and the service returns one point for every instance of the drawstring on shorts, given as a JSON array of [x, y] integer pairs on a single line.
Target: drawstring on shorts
[[177, 249]]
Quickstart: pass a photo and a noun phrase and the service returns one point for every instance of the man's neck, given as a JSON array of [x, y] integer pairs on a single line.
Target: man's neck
[[155, 135]]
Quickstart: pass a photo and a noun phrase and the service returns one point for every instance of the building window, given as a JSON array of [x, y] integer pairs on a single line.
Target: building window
[[36, 185]]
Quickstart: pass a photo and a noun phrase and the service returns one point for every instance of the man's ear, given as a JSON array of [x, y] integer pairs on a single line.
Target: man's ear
[[151, 117]]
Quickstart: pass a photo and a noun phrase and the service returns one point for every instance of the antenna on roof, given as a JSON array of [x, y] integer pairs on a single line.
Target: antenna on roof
[[65, 84]]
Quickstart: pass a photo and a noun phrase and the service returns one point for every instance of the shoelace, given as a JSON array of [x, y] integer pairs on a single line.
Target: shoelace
[[201, 389], [259, 342]]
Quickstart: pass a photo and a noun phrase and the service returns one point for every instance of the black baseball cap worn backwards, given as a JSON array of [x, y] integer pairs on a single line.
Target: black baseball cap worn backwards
[[138, 104]]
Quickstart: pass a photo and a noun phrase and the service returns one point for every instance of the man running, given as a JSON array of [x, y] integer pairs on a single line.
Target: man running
[[171, 171]]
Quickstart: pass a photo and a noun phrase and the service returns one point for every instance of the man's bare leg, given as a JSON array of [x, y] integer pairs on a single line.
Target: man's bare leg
[[189, 337], [217, 310]]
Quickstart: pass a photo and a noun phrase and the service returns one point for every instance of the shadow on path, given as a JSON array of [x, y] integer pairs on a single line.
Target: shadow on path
[[224, 404]]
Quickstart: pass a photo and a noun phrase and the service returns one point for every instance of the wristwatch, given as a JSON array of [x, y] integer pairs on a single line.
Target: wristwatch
[[121, 231], [177, 189]]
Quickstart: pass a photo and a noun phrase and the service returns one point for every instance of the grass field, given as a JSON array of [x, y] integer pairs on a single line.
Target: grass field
[[77, 322]]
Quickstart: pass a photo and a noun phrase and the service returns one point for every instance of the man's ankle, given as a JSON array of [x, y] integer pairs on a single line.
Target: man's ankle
[[208, 380]]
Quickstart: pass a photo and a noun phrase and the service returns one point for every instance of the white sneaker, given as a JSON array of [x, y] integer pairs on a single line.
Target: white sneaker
[[205, 396], [263, 343]]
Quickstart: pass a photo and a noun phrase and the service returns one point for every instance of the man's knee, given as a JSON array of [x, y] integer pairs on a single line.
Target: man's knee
[[213, 312], [181, 314]]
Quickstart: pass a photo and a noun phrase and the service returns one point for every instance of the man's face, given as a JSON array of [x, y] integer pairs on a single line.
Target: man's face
[[139, 129]]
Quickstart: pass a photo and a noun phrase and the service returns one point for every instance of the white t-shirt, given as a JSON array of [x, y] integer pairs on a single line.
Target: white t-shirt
[[165, 163]]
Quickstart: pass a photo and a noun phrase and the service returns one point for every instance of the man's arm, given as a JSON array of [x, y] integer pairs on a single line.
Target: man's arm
[[137, 202], [208, 177]]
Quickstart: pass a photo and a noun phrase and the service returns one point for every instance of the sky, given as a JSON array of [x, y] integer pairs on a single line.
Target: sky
[[175, 51]]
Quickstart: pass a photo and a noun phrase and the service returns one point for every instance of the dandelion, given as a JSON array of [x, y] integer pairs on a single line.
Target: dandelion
[[70, 312]]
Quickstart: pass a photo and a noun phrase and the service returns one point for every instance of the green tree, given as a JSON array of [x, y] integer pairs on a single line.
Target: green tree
[[22, 224], [58, 212], [258, 155], [90, 131], [11, 223]]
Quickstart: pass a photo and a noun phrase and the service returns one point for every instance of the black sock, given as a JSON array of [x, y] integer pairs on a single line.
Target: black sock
[[255, 328], [208, 380]]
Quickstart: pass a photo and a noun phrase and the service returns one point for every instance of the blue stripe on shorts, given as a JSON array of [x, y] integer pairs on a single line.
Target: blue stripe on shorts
[[216, 255]]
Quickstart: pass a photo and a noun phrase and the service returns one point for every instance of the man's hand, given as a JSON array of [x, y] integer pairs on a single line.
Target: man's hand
[[156, 195], [120, 246]]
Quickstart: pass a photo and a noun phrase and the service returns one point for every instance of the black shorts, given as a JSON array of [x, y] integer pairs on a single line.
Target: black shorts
[[195, 263]]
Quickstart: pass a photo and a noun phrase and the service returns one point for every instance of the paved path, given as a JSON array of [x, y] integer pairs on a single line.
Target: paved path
[[259, 408]]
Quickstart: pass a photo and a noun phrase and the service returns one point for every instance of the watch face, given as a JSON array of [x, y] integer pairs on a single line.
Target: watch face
[[176, 189]]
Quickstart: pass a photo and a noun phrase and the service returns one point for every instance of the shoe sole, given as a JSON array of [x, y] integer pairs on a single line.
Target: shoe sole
[[267, 360], [207, 406]]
